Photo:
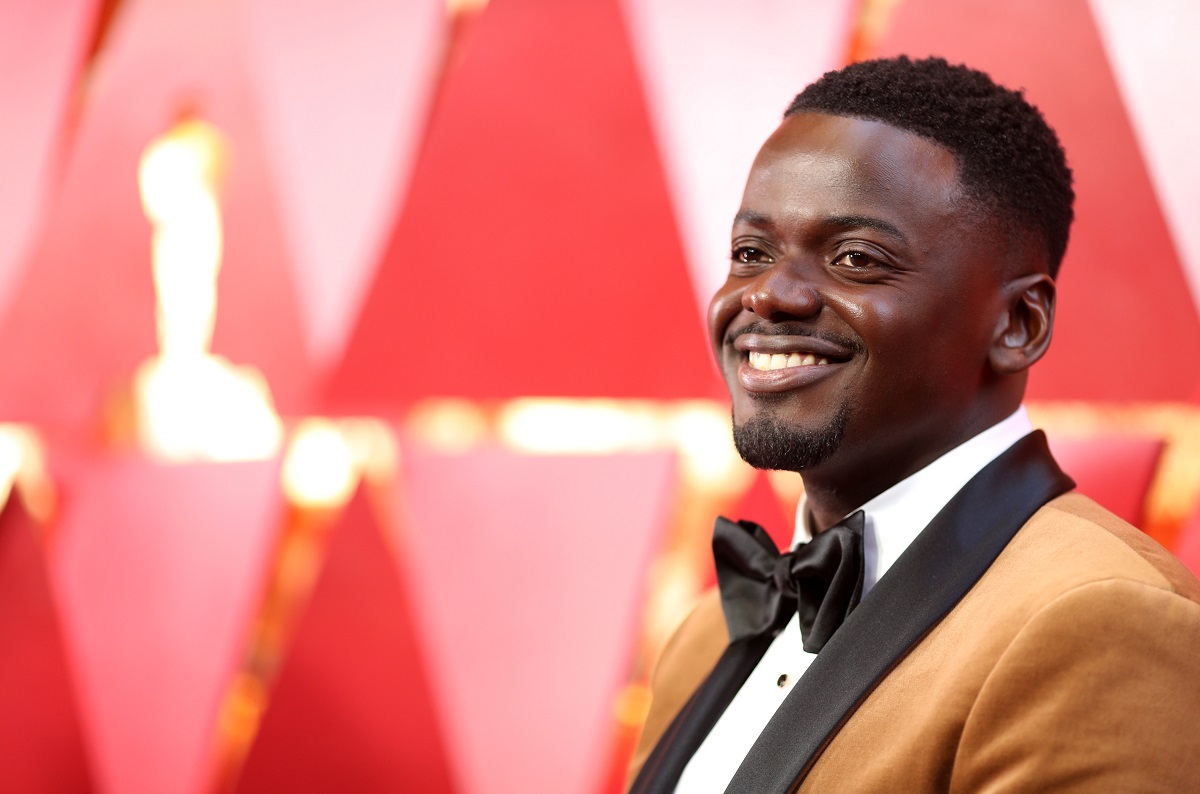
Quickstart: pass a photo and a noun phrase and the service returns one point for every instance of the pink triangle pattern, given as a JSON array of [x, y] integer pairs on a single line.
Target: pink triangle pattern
[[42, 47], [342, 92], [158, 570], [718, 77], [528, 572], [1153, 55]]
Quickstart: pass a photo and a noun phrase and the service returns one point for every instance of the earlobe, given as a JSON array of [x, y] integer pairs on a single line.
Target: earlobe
[[1024, 328]]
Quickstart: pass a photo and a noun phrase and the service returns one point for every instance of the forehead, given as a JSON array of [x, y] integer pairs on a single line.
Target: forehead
[[815, 165]]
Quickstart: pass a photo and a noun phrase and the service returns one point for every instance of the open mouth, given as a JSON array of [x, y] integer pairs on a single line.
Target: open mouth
[[765, 362]]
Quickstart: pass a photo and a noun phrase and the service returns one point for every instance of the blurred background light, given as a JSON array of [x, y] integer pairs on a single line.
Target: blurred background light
[[319, 469], [190, 404]]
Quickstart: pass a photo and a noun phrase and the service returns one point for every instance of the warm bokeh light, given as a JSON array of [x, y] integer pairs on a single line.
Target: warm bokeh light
[[580, 427], [11, 455], [700, 431], [204, 408], [465, 6], [23, 469], [697, 430], [318, 470], [449, 425], [327, 458], [190, 404], [373, 447], [178, 178]]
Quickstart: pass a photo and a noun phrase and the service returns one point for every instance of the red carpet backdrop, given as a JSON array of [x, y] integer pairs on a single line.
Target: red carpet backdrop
[[358, 429]]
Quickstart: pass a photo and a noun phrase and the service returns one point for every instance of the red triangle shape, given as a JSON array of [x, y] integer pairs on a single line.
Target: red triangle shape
[[538, 252], [1116, 471], [761, 505], [351, 710], [39, 723], [1123, 298]]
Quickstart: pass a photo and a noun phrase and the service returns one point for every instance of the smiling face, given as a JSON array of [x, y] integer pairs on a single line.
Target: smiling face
[[866, 296]]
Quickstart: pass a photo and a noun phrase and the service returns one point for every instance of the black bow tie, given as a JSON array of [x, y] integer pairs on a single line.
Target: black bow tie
[[761, 588]]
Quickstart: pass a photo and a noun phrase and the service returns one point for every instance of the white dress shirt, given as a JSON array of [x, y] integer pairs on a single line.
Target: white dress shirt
[[893, 519]]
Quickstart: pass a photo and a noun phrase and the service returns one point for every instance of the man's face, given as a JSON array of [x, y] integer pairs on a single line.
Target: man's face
[[863, 295]]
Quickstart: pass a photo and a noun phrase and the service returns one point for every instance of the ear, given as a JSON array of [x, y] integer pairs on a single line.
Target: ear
[[1025, 324]]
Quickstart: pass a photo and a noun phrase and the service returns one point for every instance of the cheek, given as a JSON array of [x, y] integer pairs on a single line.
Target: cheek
[[927, 349], [725, 305], [905, 342]]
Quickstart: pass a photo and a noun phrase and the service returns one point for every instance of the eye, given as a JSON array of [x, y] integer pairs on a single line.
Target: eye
[[747, 255], [855, 260]]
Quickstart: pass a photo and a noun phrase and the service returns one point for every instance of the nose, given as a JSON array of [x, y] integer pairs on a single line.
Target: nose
[[782, 293]]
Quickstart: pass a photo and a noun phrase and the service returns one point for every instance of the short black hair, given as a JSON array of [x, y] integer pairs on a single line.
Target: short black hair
[[1008, 157]]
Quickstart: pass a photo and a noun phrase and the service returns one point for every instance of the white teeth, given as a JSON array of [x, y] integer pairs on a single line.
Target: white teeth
[[765, 362]]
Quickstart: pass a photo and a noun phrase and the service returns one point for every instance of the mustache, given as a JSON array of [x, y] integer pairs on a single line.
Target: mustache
[[795, 329]]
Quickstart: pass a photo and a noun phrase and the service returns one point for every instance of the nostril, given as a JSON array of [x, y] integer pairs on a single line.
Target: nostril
[[782, 298], [758, 301]]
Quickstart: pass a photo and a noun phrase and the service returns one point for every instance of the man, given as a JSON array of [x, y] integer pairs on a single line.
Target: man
[[960, 621]]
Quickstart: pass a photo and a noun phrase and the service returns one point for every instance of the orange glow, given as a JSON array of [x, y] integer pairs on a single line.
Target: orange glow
[[465, 6], [449, 425], [633, 704]]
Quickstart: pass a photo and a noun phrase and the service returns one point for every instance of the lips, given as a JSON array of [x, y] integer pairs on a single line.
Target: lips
[[773, 362]]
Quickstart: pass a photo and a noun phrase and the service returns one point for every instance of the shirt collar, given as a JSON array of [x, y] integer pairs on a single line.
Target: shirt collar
[[895, 517]]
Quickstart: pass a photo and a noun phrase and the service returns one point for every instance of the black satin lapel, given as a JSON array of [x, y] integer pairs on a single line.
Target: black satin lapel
[[660, 773], [924, 584]]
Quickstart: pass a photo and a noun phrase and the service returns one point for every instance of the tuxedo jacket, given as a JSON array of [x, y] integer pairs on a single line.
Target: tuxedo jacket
[[1028, 640]]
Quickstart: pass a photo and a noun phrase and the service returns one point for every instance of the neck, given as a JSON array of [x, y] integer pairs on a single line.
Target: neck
[[845, 483], [829, 504]]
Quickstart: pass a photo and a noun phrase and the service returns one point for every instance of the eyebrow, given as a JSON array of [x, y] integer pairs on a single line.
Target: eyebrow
[[756, 218], [752, 217], [866, 222]]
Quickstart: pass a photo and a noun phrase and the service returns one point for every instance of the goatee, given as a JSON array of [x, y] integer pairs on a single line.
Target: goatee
[[767, 443]]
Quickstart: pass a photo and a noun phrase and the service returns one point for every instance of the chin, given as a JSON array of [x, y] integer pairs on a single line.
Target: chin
[[767, 442]]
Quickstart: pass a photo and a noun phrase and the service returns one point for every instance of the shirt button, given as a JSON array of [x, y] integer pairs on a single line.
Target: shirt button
[[782, 681]]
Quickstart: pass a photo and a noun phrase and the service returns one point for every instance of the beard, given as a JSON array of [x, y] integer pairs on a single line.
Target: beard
[[765, 442]]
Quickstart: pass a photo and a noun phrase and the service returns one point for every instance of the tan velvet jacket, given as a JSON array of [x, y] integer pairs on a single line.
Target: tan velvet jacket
[[1073, 664]]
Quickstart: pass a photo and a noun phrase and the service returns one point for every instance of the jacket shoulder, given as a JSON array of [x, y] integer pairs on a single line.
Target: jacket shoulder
[[1094, 544], [1070, 666]]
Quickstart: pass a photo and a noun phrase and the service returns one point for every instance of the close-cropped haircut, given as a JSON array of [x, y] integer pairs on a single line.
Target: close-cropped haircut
[[1009, 159]]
